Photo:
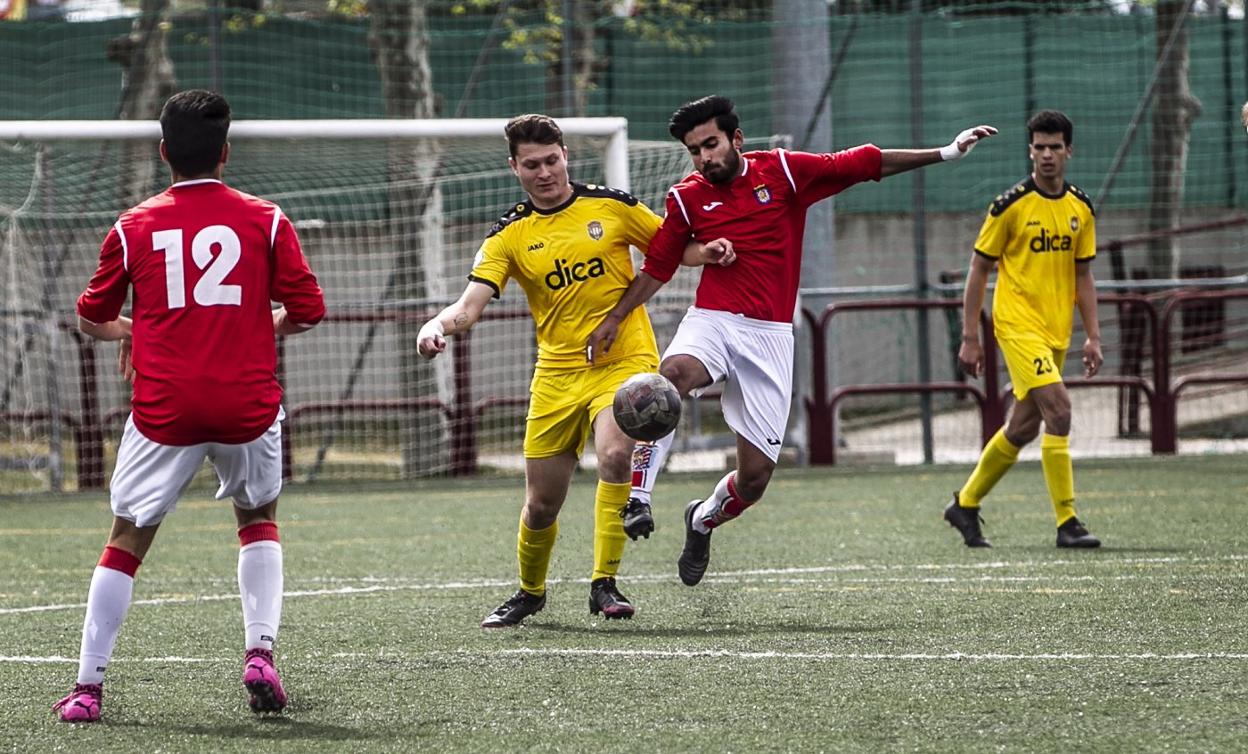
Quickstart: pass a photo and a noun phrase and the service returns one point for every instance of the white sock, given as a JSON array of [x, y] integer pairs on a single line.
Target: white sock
[[108, 600], [260, 584], [648, 458], [721, 507]]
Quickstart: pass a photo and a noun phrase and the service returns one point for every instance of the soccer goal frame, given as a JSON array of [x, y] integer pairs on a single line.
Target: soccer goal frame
[[90, 420]]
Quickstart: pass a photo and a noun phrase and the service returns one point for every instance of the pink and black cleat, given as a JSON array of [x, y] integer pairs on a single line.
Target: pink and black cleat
[[82, 705], [260, 678]]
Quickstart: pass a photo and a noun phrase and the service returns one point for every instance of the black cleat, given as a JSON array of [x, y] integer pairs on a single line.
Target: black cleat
[[517, 607], [966, 521], [638, 521], [605, 598], [697, 553], [1074, 534]]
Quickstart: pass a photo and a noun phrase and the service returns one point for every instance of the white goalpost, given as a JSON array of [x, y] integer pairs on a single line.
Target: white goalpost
[[390, 212]]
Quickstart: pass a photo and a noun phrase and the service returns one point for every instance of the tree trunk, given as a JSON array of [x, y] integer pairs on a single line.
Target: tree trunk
[[580, 24], [148, 81], [1173, 113], [399, 37]]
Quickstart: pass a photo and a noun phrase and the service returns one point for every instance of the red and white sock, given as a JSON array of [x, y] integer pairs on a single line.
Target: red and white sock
[[648, 458], [260, 583], [108, 601], [722, 506]]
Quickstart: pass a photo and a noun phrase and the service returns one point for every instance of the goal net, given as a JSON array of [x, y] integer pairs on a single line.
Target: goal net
[[390, 214]]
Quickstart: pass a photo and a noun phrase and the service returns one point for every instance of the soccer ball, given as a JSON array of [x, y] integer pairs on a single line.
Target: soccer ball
[[647, 406]]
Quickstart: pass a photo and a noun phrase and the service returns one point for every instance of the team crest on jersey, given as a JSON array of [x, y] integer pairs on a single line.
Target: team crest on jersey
[[1074, 224], [595, 230], [762, 194]]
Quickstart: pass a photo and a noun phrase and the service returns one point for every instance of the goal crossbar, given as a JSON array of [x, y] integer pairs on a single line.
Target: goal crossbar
[[615, 130]]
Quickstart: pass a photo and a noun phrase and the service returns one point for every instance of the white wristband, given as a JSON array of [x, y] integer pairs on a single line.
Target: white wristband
[[432, 328], [951, 152]]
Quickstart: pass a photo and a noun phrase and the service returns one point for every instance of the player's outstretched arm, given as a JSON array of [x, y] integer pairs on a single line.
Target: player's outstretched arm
[[456, 318], [971, 352], [638, 292], [894, 161], [1085, 296]]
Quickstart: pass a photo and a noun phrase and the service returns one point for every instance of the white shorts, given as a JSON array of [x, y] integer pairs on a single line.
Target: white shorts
[[754, 360], [150, 477]]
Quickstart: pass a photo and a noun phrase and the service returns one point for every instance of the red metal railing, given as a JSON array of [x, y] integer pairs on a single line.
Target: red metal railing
[[821, 406], [464, 414], [1166, 441], [1160, 392]]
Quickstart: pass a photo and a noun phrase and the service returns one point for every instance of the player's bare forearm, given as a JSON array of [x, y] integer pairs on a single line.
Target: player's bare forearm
[[718, 252], [603, 336], [463, 314], [971, 351], [638, 292], [118, 329], [894, 161], [283, 325], [457, 318], [1085, 296], [973, 296]]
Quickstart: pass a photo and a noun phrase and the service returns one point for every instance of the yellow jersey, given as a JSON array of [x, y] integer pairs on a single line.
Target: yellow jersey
[[1037, 238], [573, 263]]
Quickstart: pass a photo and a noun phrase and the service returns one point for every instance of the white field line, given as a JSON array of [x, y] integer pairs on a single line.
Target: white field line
[[730, 654], [779, 575], [55, 660], [711, 654]]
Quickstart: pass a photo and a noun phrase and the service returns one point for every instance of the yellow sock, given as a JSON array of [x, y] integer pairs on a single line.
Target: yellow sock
[[533, 549], [609, 527], [1059, 475], [998, 456]]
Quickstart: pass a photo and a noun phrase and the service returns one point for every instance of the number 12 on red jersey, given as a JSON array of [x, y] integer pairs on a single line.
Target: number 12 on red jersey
[[210, 290]]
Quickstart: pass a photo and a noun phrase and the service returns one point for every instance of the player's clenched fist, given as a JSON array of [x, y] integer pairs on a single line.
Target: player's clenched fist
[[1092, 357], [602, 338], [971, 357], [431, 340], [720, 252]]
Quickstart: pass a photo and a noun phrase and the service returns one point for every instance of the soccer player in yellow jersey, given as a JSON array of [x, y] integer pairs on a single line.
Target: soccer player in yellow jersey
[[567, 246], [1041, 237]]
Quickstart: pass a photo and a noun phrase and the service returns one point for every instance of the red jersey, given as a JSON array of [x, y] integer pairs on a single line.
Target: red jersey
[[763, 212], [205, 261]]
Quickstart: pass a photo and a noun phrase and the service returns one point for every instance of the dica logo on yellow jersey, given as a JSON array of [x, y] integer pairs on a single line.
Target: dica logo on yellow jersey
[[1047, 241], [566, 274]]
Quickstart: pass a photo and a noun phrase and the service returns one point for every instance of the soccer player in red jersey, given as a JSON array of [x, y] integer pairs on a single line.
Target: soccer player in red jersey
[[739, 330], [205, 261]]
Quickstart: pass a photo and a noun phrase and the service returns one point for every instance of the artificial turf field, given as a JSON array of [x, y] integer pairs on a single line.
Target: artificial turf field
[[841, 614]]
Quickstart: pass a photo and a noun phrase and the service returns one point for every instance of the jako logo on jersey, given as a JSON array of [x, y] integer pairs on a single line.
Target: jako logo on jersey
[[762, 194], [566, 274], [536, 246], [1050, 242], [595, 230]]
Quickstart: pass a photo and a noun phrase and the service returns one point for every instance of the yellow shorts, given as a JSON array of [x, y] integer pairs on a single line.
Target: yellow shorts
[[1032, 363], [564, 402]]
